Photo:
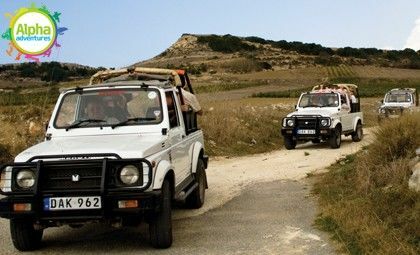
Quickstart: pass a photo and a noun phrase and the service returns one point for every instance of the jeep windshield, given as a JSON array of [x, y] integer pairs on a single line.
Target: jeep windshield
[[109, 107], [319, 100], [398, 98]]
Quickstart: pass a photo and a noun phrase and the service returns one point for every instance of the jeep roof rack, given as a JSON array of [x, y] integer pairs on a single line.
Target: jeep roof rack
[[178, 78], [409, 90], [338, 86]]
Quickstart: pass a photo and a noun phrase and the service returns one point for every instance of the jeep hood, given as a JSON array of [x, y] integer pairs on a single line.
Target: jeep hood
[[324, 112], [126, 146]]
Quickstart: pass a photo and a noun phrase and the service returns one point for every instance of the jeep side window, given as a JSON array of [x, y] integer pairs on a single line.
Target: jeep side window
[[170, 102]]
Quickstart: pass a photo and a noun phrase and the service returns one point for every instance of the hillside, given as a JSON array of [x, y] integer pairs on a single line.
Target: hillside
[[232, 54], [37, 74]]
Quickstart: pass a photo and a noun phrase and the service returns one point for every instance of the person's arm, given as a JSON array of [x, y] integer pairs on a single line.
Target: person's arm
[[191, 101]]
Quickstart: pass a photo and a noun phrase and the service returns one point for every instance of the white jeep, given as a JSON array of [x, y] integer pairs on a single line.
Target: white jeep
[[119, 152], [397, 101], [324, 114]]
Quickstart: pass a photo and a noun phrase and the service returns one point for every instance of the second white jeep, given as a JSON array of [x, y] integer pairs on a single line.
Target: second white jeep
[[324, 114]]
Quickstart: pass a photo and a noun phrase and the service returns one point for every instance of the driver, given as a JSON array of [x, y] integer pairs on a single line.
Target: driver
[[316, 101], [95, 110]]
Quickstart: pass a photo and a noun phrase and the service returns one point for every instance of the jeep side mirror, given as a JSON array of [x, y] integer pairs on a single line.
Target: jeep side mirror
[[164, 131], [382, 101], [295, 106]]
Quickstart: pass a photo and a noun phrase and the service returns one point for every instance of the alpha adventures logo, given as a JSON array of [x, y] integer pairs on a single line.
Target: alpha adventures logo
[[33, 33]]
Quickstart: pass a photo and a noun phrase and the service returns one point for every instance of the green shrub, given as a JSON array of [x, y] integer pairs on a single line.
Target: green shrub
[[226, 43]]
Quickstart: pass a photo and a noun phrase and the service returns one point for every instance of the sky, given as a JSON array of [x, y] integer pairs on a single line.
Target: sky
[[118, 33]]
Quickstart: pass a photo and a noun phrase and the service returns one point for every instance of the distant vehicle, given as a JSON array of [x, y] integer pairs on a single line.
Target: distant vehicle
[[398, 101], [118, 151], [324, 114]]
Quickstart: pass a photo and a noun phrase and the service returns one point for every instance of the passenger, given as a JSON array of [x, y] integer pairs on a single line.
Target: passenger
[[190, 101], [116, 107], [344, 104], [171, 110], [331, 101], [135, 106], [353, 99]]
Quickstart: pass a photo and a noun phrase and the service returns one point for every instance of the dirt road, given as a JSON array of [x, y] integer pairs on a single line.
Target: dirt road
[[255, 204]]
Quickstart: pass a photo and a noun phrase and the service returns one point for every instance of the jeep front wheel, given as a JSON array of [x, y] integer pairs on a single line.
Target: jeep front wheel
[[24, 236], [335, 138], [160, 227], [196, 199], [358, 134], [289, 143]]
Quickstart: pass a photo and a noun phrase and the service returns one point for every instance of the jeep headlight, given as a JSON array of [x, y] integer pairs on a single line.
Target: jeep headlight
[[25, 179], [129, 174], [383, 110], [325, 122], [290, 123]]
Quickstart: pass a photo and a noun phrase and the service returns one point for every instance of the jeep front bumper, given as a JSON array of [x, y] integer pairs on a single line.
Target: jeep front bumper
[[97, 178], [323, 133], [307, 127]]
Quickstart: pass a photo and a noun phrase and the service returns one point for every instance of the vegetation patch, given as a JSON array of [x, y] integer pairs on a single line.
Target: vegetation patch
[[364, 198], [225, 43], [18, 97], [367, 87], [241, 127], [406, 58], [48, 71], [207, 88]]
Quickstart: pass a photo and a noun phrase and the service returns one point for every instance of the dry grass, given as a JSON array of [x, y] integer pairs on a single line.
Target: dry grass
[[235, 127], [15, 135], [243, 126], [365, 200]]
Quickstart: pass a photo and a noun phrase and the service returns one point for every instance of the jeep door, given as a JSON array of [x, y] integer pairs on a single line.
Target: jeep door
[[176, 135], [345, 115]]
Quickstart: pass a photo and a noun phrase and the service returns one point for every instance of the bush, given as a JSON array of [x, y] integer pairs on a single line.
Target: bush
[[226, 43], [5, 155], [51, 71]]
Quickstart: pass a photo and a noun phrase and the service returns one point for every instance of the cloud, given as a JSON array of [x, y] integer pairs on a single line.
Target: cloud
[[413, 41]]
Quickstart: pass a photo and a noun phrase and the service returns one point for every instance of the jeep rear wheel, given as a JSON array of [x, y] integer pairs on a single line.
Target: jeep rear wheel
[[289, 143], [160, 227], [335, 138], [196, 198], [24, 236], [358, 134]]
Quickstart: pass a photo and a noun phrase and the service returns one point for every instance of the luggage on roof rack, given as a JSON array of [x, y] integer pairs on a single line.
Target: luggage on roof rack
[[178, 78]]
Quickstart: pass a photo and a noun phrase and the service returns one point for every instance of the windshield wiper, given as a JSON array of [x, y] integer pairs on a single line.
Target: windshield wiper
[[122, 123], [78, 123]]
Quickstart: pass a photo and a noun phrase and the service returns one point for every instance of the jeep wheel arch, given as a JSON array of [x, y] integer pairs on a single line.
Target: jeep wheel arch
[[198, 152], [163, 169], [357, 120], [335, 123]]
